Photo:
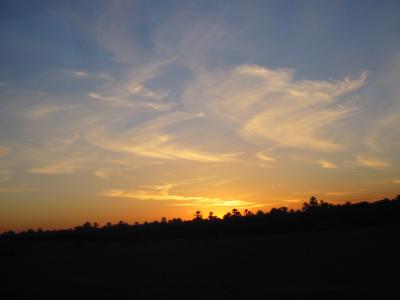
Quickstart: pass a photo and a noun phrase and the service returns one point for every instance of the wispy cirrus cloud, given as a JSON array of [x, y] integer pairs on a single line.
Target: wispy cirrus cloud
[[296, 200], [265, 156], [384, 133], [133, 116], [384, 181], [339, 193], [163, 193], [372, 162], [160, 192], [143, 98], [68, 166], [46, 108], [327, 164], [78, 73], [131, 119], [271, 106], [102, 174], [82, 74], [116, 101], [151, 139]]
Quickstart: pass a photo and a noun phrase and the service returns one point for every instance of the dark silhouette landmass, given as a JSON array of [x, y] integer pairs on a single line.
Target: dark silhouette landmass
[[314, 215], [322, 251]]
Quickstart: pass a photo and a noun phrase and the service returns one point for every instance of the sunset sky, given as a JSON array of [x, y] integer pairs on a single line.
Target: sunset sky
[[135, 110]]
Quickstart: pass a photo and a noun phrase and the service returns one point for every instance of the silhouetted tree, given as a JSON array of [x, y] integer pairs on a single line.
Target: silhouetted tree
[[211, 216], [236, 213], [175, 221], [227, 216], [312, 203], [87, 226], [198, 216], [107, 226], [281, 210], [247, 213], [314, 215]]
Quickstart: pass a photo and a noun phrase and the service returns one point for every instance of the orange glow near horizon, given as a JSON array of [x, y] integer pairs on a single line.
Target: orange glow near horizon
[[138, 110], [129, 213]]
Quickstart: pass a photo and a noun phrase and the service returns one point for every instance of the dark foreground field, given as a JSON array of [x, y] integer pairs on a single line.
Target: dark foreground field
[[343, 264]]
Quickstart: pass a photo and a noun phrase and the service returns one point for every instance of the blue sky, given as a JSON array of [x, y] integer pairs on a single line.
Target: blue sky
[[138, 109]]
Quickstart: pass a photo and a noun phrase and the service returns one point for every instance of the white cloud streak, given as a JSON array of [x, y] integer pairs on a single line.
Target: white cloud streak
[[115, 101], [327, 164], [151, 139], [385, 134], [162, 193], [372, 162], [270, 106], [69, 166]]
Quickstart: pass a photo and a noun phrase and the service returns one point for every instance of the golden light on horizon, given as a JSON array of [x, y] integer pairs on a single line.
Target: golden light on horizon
[[116, 116]]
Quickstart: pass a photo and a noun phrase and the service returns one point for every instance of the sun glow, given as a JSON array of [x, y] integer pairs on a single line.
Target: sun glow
[[145, 110]]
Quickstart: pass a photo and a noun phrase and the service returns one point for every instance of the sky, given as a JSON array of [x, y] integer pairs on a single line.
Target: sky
[[137, 110]]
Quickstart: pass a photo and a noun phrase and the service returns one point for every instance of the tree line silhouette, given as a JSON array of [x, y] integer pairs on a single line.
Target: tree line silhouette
[[315, 215]]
